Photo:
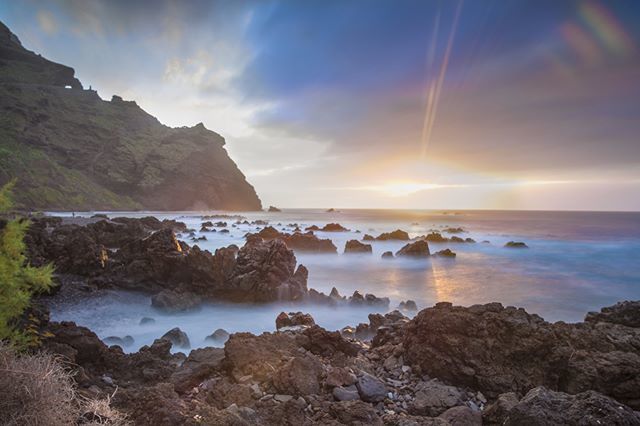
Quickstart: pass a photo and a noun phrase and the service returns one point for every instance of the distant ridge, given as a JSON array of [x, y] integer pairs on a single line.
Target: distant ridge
[[70, 150]]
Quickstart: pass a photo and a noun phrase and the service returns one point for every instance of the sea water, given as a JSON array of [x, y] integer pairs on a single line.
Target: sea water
[[576, 262]]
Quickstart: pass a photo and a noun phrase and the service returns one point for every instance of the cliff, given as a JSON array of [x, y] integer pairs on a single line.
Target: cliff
[[70, 150]]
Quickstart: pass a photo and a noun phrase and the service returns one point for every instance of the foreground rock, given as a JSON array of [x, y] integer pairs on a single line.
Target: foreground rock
[[495, 349], [312, 376], [541, 407], [623, 313]]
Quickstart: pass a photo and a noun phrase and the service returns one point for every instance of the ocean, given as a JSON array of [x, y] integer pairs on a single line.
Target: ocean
[[576, 262]]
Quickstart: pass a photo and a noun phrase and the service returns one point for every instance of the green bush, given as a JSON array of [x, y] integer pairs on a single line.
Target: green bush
[[18, 280]]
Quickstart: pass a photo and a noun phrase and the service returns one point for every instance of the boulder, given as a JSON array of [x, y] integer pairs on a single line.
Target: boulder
[[387, 255], [346, 393], [395, 235], [408, 305], [273, 209], [327, 343], [516, 244], [368, 237], [624, 313], [266, 271], [178, 338], [419, 248], [445, 253], [435, 237], [370, 388], [294, 319], [462, 416], [147, 320], [172, 301], [299, 376], [355, 246], [218, 337], [541, 406], [199, 365], [120, 341], [495, 350], [434, 398], [334, 227]]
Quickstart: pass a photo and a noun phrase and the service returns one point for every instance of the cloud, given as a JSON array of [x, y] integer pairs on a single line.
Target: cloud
[[47, 22]]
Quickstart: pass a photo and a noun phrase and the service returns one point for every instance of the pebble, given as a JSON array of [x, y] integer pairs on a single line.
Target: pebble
[[282, 398]]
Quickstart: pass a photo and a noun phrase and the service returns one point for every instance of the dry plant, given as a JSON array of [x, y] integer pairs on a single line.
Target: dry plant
[[37, 390]]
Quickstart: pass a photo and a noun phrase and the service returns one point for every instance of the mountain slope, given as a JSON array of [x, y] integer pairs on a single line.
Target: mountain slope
[[71, 150]]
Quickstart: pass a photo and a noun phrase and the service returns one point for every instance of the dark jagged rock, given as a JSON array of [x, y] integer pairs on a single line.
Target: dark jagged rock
[[541, 407], [333, 227], [294, 319], [355, 246], [387, 255], [496, 349], [178, 338], [199, 365], [172, 301], [219, 336], [368, 299], [368, 237], [273, 209], [395, 235], [623, 313], [261, 271], [316, 377], [408, 305], [452, 230], [445, 253], [370, 388], [76, 150], [266, 271], [436, 237], [516, 244], [418, 248], [120, 341], [307, 242]]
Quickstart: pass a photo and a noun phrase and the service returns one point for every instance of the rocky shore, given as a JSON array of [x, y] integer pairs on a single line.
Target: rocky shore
[[449, 365]]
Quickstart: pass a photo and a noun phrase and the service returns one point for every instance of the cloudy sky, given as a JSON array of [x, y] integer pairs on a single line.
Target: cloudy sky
[[390, 103]]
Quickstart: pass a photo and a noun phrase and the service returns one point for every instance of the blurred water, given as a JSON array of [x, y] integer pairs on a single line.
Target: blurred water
[[577, 262]]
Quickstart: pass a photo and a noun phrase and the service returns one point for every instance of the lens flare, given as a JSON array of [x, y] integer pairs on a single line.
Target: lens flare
[[607, 28]]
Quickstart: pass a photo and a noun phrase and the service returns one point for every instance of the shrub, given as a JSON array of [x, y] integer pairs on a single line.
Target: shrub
[[36, 389], [18, 280]]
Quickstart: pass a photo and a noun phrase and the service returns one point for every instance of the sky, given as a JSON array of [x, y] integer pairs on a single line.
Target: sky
[[483, 104]]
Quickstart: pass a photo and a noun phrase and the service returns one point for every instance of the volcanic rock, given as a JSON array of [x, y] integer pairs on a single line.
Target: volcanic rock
[[355, 246], [419, 248], [395, 235], [178, 338]]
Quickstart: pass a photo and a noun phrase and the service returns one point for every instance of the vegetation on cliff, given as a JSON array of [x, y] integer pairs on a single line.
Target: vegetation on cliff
[[71, 150]]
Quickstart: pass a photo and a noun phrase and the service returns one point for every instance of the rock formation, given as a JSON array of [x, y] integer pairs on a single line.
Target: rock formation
[[70, 150]]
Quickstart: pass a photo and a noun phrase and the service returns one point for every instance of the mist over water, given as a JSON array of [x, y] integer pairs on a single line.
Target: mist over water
[[577, 262]]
